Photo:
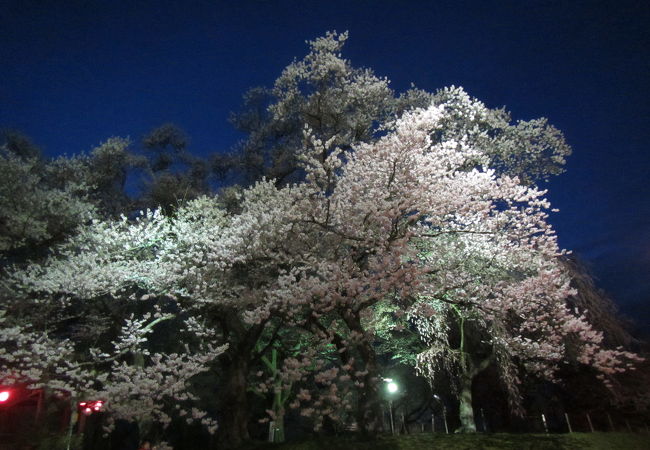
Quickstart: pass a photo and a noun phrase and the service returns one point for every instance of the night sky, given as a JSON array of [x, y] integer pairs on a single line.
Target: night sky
[[77, 72]]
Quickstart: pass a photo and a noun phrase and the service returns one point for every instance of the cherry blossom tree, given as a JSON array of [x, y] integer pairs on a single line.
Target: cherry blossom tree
[[471, 326], [490, 257], [134, 383], [219, 266], [350, 105], [425, 202], [408, 216], [104, 324]]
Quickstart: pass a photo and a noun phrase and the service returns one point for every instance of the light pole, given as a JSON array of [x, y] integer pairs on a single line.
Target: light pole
[[392, 389], [436, 398]]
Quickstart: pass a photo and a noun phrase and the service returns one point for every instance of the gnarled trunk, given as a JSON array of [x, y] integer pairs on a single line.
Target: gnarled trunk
[[368, 414], [233, 413], [469, 371], [466, 411], [233, 407]]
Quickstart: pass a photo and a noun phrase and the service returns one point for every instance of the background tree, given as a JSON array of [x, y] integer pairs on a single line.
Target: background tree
[[173, 174], [530, 150], [350, 105], [627, 393], [19, 144], [36, 206], [322, 90], [597, 306], [43, 201]]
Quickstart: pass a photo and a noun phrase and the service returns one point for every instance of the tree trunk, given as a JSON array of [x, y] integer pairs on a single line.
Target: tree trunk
[[469, 371], [368, 415], [233, 407], [278, 425], [280, 396], [466, 411]]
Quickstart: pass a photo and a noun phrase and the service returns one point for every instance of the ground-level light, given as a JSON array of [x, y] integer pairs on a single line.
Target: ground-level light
[[90, 407], [5, 396]]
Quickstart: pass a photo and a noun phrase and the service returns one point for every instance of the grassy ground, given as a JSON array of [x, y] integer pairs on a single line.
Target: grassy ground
[[602, 441]]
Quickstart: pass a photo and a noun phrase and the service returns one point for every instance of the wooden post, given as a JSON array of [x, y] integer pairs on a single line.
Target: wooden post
[[444, 416], [611, 424], [40, 393], [591, 426], [544, 422], [484, 421], [392, 424], [422, 427], [568, 424], [627, 424], [433, 424]]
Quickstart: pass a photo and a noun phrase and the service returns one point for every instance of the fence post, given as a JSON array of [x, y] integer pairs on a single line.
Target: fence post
[[74, 415], [484, 422], [591, 426], [627, 424], [433, 423], [611, 424], [568, 424], [544, 422]]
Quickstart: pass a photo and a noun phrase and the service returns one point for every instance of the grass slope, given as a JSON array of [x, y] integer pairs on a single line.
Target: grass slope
[[602, 441]]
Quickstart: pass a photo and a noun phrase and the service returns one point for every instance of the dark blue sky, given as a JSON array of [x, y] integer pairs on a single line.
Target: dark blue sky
[[77, 72]]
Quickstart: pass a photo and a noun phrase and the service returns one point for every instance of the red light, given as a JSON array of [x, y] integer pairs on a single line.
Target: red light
[[4, 396], [91, 406]]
